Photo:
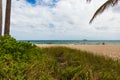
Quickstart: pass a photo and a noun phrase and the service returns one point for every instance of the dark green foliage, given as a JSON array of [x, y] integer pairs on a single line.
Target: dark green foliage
[[16, 58], [25, 61]]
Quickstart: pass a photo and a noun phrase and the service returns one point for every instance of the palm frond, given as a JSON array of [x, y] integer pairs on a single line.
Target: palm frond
[[106, 5]]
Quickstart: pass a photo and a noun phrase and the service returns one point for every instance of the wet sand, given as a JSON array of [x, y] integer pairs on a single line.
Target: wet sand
[[112, 51]]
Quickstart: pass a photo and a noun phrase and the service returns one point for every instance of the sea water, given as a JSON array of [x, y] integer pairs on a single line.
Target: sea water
[[90, 42]]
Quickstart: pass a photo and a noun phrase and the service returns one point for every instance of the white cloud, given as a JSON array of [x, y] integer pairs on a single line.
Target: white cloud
[[69, 17]]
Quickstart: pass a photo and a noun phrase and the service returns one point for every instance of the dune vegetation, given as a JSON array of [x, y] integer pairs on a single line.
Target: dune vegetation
[[25, 61]]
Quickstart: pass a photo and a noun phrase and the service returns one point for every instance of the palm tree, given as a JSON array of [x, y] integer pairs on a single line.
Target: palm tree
[[106, 5], [0, 18], [7, 17]]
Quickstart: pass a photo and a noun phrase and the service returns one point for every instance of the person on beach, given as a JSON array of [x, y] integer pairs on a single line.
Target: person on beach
[[103, 43]]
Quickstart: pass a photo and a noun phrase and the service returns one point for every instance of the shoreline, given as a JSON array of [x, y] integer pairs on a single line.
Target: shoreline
[[112, 51]]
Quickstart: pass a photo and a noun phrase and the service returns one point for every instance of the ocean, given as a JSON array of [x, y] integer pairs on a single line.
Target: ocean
[[90, 42]]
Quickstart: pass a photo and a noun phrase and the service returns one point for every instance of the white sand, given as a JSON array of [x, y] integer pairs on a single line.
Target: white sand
[[112, 51]]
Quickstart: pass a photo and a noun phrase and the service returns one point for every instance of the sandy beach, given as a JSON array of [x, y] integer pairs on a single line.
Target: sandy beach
[[112, 51]]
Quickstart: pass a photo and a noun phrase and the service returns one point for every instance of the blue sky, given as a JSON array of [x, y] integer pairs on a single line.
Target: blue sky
[[63, 20], [49, 3], [31, 1]]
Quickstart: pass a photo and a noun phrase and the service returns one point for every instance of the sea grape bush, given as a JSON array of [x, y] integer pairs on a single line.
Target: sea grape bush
[[15, 57]]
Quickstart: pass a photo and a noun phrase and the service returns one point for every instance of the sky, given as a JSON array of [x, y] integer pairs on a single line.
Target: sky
[[63, 20]]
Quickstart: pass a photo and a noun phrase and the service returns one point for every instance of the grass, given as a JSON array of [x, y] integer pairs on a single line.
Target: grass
[[25, 61], [81, 65]]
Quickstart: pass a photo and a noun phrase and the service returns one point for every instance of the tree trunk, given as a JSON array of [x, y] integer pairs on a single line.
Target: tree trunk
[[7, 18], [0, 18]]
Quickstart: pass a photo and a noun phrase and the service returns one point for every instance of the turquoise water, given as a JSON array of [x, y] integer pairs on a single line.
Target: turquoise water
[[111, 42]]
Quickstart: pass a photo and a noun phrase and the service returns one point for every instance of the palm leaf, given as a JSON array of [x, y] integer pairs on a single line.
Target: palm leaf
[[106, 5]]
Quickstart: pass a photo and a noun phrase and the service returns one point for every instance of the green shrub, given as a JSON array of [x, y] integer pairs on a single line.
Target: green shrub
[[16, 57]]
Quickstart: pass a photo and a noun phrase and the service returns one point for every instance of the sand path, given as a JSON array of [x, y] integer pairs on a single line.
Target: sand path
[[112, 51]]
